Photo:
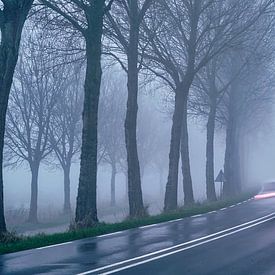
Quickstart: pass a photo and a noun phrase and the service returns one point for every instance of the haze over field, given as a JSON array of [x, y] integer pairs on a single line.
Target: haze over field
[[114, 109]]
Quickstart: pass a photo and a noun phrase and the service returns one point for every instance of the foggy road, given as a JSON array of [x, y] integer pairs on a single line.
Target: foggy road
[[236, 240]]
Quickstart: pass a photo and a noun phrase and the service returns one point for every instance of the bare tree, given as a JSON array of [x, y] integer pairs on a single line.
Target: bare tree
[[125, 20], [208, 91], [247, 104], [13, 15], [111, 116], [34, 95], [179, 49], [65, 129], [86, 17]]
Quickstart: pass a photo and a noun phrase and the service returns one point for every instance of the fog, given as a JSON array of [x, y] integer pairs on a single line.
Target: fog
[[259, 169], [123, 109]]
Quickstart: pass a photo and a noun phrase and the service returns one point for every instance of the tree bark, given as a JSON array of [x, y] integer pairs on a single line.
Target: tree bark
[[12, 19], [113, 185], [185, 160], [232, 183], [86, 206], [33, 218], [67, 191], [210, 180], [136, 207], [171, 192]]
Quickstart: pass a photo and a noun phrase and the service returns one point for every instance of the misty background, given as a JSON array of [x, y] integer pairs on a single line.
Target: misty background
[[186, 90]]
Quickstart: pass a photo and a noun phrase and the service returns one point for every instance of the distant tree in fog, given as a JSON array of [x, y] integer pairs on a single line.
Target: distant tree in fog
[[216, 85], [111, 118], [35, 91], [247, 104], [65, 127], [147, 135], [189, 35], [208, 92], [13, 15]]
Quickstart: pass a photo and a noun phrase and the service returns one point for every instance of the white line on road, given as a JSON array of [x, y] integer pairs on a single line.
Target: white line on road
[[195, 216], [185, 248], [147, 226], [177, 220], [54, 245], [110, 234], [202, 240]]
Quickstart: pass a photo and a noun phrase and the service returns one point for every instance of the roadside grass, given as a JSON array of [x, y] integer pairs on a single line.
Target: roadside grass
[[14, 243]]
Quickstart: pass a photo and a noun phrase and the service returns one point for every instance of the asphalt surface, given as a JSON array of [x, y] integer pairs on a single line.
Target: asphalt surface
[[236, 240]]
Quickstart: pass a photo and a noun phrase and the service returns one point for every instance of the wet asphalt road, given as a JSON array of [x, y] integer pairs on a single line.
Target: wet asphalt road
[[204, 244]]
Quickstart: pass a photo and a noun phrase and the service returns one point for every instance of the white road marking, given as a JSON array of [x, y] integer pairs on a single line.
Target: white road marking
[[223, 208], [231, 206], [177, 220], [54, 245], [195, 216], [110, 234], [147, 226], [201, 240], [185, 248]]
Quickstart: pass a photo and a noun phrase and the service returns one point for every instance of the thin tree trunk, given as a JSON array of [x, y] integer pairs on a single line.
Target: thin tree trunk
[[161, 187], [12, 19], [185, 160], [67, 191], [136, 207], [86, 206], [126, 185], [33, 218], [237, 162], [113, 185], [171, 192], [210, 180]]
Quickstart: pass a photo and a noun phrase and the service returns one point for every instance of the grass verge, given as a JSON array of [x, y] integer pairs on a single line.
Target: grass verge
[[13, 243]]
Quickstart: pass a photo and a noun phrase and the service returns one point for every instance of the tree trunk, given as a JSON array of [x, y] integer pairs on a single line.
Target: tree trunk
[[136, 207], [67, 191], [161, 187], [232, 185], [113, 185], [185, 160], [12, 19], [2, 213], [210, 180], [237, 161], [86, 206], [33, 218], [171, 192], [231, 164]]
